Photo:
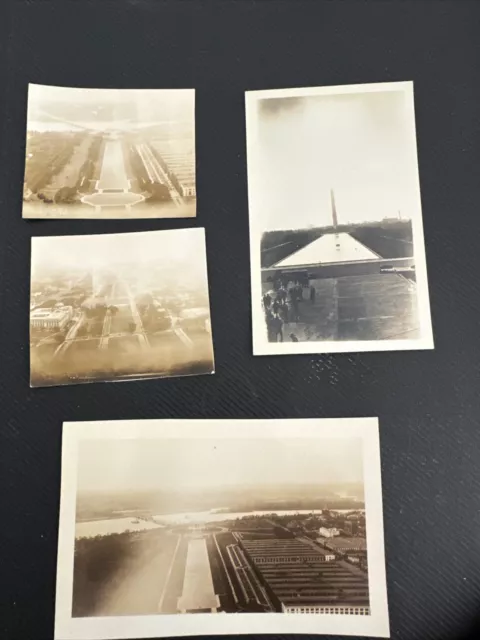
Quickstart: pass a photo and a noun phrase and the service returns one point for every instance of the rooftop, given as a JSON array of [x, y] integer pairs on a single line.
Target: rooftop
[[347, 543], [282, 547], [49, 312], [319, 583]]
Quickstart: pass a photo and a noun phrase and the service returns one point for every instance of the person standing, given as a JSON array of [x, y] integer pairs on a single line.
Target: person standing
[[312, 294], [295, 310], [299, 291], [270, 325], [282, 294], [277, 325], [291, 292]]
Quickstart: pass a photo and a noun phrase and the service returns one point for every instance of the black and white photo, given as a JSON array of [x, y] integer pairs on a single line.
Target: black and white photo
[[119, 307], [336, 234], [277, 524], [109, 153]]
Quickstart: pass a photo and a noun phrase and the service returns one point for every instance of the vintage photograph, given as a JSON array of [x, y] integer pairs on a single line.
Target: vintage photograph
[[119, 306], [109, 153], [336, 234], [277, 521]]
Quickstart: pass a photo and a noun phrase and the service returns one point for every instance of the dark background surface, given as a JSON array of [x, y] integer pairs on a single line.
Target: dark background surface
[[428, 402]]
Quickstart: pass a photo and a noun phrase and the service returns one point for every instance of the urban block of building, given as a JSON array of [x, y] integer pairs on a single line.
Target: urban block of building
[[345, 545], [351, 527], [302, 579], [327, 532], [179, 157], [284, 551], [54, 319]]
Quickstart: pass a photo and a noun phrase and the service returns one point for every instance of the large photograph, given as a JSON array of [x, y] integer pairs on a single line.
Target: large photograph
[[272, 521], [336, 235], [109, 153], [119, 307]]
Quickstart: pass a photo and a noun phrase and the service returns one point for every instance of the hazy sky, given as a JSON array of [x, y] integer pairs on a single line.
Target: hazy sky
[[358, 144], [185, 247], [147, 104], [188, 463]]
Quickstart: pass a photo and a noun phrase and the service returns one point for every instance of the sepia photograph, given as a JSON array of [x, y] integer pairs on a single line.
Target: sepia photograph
[[276, 523], [119, 306], [109, 153], [336, 233]]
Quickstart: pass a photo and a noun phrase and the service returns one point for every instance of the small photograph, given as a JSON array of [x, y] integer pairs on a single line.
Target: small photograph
[[276, 523], [109, 153], [336, 234], [118, 307]]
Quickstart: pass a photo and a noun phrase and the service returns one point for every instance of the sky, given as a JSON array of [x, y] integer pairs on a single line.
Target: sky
[[360, 145], [109, 465], [80, 105], [183, 246]]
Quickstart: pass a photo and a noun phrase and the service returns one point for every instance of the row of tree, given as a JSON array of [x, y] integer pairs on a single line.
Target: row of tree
[[68, 194], [47, 162], [96, 562]]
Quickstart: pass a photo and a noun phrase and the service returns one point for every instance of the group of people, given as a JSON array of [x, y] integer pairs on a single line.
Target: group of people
[[281, 305]]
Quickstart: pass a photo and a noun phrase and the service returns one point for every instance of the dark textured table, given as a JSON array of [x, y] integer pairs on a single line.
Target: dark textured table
[[428, 402]]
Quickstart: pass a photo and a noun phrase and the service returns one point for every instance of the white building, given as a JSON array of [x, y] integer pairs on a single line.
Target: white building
[[188, 191], [53, 319], [326, 532]]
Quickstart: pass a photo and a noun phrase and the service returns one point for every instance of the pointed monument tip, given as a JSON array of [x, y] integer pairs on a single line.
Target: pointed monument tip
[[334, 210]]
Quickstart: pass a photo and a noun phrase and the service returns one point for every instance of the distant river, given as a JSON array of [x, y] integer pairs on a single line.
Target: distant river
[[201, 517], [107, 527], [120, 525]]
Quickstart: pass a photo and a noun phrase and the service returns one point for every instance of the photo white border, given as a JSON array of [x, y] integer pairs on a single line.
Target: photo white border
[[168, 625], [261, 345]]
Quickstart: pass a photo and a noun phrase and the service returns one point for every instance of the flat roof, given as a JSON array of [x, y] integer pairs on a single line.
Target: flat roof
[[324, 250], [347, 543], [45, 312], [277, 548], [330, 584], [198, 592]]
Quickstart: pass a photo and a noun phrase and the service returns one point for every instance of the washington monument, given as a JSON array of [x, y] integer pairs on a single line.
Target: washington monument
[[334, 210]]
